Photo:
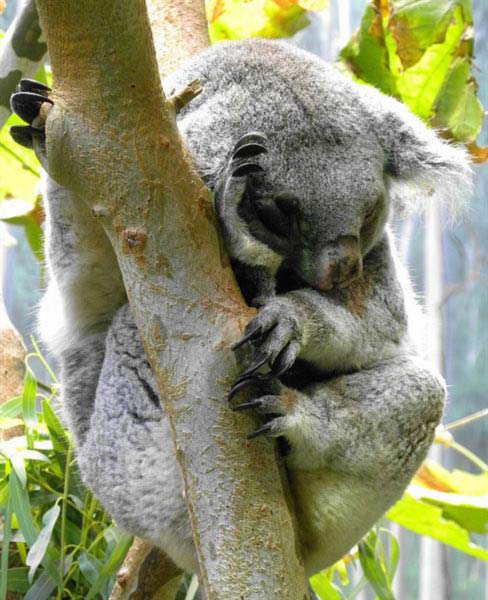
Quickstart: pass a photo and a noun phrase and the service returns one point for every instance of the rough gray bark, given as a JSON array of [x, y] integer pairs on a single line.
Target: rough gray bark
[[112, 139], [23, 52]]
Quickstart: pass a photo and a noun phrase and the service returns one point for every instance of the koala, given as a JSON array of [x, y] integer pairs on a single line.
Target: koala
[[307, 168]]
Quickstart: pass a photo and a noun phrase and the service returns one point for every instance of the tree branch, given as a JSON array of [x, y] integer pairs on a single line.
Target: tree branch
[[179, 29], [23, 52], [146, 573], [112, 138]]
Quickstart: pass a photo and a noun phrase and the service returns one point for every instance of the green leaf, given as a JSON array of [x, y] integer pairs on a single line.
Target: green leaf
[[7, 530], [38, 549], [111, 565], [18, 466], [22, 509], [324, 588], [418, 24], [17, 580], [420, 85], [57, 433], [426, 519], [373, 568], [90, 567], [18, 165], [11, 408], [42, 589], [457, 108], [434, 476], [366, 54], [29, 393], [9, 423], [470, 512], [238, 19]]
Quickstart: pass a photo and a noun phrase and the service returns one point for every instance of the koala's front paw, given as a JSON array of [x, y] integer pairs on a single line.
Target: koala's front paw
[[26, 102], [276, 334]]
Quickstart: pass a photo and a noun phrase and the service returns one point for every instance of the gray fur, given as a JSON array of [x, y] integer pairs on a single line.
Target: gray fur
[[359, 434]]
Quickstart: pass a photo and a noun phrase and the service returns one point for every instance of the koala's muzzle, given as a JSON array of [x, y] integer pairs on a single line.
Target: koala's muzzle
[[339, 264]]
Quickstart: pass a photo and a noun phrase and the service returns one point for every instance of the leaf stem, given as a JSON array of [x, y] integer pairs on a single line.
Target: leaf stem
[[469, 455], [64, 507], [480, 414]]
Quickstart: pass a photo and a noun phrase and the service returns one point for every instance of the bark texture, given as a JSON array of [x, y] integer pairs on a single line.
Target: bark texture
[[112, 138], [23, 51], [179, 30]]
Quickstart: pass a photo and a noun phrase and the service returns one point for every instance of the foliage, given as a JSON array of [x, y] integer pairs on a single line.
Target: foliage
[[19, 195], [56, 540], [239, 19], [421, 53]]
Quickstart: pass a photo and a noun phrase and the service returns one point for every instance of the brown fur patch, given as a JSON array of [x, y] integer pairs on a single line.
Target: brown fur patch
[[356, 294], [289, 398]]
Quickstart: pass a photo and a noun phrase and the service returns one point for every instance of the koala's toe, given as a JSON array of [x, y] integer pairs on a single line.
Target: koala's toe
[[29, 85], [274, 428], [28, 104], [251, 144], [25, 135]]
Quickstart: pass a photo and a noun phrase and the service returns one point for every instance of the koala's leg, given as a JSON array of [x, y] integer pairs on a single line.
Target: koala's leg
[[355, 443], [84, 286], [128, 457], [385, 415]]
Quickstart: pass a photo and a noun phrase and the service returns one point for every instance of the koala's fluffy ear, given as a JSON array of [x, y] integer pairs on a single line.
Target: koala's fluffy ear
[[419, 165]]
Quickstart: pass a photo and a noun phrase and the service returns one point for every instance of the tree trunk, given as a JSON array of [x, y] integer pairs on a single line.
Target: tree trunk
[[23, 51], [126, 158]]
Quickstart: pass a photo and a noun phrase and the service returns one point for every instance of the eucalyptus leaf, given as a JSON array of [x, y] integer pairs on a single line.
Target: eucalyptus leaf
[[426, 519], [38, 549]]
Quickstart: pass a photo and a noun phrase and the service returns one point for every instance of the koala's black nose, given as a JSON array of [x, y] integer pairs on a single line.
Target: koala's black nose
[[340, 263]]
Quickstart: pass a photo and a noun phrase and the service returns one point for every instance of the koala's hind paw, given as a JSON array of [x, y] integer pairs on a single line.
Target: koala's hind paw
[[277, 409], [275, 333], [26, 102]]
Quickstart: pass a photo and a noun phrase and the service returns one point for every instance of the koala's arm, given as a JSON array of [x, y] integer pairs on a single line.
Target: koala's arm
[[84, 285], [340, 331]]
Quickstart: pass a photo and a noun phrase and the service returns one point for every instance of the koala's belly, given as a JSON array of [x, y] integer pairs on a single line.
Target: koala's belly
[[334, 511]]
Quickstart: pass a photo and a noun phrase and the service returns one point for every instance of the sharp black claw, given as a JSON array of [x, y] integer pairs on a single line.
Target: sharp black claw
[[265, 429], [29, 85], [248, 405], [251, 149], [285, 360], [27, 104], [255, 138], [247, 168], [252, 334], [24, 134], [240, 384], [251, 370]]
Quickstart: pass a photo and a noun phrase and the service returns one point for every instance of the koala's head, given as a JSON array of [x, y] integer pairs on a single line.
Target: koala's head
[[339, 157], [315, 207]]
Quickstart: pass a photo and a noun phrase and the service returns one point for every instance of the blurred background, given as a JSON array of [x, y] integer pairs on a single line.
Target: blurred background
[[448, 266]]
